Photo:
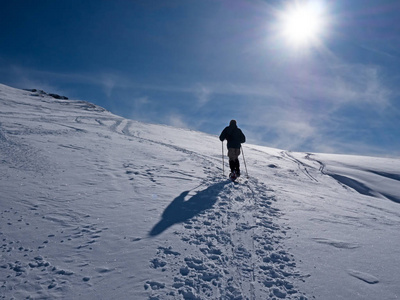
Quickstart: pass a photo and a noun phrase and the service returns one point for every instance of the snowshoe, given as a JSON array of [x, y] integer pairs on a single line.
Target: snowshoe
[[233, 176]]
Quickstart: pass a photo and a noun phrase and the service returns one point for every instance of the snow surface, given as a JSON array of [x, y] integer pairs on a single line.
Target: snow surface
[[95, 206]]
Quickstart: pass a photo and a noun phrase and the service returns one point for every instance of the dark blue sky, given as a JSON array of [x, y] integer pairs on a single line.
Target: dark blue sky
[[198, 64]]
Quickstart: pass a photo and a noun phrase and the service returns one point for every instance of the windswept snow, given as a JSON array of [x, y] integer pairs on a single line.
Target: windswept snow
[[95, 206]]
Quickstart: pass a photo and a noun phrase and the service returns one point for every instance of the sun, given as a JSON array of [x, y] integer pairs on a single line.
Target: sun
[[303, 23]]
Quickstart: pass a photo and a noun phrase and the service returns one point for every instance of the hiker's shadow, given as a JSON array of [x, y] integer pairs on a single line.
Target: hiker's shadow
[[180, 210]]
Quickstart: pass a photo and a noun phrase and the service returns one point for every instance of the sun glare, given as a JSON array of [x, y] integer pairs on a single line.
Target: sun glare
[[302, 24]]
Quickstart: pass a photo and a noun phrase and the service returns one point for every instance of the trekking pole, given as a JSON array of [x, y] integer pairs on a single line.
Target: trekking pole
[[223, 164], [247, 174]]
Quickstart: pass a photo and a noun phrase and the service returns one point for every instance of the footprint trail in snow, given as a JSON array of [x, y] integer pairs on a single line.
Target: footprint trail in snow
[[232, 247]]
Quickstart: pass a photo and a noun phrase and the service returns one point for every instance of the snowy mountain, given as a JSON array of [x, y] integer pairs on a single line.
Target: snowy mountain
[[95, 206]]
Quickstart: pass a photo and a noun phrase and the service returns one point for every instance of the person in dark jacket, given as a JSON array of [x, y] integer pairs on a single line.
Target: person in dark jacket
[[235, 138]]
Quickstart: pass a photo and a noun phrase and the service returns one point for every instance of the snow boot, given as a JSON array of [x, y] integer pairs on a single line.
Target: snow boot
[[233, 175]]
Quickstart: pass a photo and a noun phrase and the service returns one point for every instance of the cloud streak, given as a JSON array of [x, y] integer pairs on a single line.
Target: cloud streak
[[303, 111]]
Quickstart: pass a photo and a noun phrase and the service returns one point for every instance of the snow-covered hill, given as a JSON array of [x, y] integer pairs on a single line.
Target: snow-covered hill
[[95, 206]]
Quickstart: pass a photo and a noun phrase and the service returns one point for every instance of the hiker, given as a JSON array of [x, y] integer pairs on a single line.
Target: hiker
[[235, 138]]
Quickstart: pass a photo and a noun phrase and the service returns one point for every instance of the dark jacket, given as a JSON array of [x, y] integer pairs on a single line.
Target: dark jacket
[[233, 135]]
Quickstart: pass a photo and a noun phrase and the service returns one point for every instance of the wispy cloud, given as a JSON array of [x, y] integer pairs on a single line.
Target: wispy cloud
[[20, 78], [203, 94], [290, 112], [359, 84], [108, 83], [308, 114], [379, 52], [177, 121], [344, 83]]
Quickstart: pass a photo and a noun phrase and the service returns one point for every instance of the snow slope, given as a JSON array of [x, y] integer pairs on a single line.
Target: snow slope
[[95, 206]]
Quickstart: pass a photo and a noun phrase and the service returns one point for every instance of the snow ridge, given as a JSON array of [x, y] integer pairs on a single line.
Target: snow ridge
[[95, 206], [88, 177]]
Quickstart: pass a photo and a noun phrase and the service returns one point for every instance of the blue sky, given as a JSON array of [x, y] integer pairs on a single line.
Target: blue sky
[[198, 64]]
